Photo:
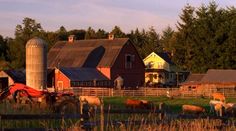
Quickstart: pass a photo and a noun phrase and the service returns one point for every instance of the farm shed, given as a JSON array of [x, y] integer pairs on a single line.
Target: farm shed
[[79, 77], [215, 80], [219, 80], [111, 57], [9, 77], [192, 83]]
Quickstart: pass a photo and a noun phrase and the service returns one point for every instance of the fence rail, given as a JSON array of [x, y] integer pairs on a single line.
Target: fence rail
[[172, 92]]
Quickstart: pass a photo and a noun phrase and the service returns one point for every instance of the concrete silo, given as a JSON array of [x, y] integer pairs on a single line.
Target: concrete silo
[[36, 63]]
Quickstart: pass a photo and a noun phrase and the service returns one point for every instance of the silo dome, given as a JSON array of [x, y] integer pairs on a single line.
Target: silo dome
[[36, 63]]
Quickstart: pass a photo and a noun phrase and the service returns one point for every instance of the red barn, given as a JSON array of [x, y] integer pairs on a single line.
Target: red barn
[[111, 57]]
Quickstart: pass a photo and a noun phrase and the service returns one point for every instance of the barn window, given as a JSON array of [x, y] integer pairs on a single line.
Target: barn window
[[129, 59]]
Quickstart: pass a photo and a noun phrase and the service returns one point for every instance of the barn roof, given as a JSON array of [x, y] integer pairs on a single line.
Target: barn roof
[[16, 75], [219, 76], [193, 79], [85, 53], [83, 74]]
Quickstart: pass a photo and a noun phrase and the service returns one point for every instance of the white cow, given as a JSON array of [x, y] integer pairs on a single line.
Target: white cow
[[212, 104], [89, 104], [92, 100]]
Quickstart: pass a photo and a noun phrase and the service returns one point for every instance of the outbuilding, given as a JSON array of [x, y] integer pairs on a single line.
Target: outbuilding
[[9, 77]]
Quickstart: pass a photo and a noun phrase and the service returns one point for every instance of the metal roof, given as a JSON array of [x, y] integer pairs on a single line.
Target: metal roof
[[16, 75], [219, 76], [85, 53], [83, 74], [193, 79]]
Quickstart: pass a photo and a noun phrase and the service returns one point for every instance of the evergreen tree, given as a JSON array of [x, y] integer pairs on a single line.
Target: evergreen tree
[[29, 29], [118, 32], [101, 34], [90, 33]]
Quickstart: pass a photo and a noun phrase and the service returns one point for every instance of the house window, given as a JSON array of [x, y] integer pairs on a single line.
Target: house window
[[129, 59], [150, 65], [159, 65]]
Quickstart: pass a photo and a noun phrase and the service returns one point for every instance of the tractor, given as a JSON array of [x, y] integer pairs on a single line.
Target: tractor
[[58, 102]]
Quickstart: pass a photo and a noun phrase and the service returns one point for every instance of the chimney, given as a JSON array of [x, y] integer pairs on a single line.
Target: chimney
[[111, 36], [71, 38]]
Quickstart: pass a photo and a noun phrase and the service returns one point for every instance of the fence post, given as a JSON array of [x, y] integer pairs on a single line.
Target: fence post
[[112, 91], [145, 91], [102, 117]]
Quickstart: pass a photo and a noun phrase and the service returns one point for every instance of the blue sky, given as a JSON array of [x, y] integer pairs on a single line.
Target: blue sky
[[105, 14]]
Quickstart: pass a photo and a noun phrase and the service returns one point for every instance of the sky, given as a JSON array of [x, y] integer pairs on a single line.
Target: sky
[[104, 14]]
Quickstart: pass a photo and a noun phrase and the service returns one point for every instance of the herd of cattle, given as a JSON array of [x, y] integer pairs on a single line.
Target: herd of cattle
[[218, 105]]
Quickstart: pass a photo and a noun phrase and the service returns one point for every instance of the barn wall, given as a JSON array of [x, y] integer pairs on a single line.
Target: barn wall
[[105, 71], [60, 78], [132, 76]]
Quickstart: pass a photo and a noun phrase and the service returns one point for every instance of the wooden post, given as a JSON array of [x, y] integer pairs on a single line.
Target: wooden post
[[81, 110], [145, 91], [102, 116], [161, 111]]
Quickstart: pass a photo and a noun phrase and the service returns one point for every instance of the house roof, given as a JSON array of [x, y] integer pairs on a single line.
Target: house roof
[[165, 57], [85, 53], [16, 75], [219, 76], [193, 79], [83, 74]]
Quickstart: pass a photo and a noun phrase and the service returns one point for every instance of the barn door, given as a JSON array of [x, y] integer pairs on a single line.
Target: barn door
[[3, 83]]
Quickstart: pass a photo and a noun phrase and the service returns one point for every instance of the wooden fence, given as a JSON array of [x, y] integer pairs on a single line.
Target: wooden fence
[[172, 92]]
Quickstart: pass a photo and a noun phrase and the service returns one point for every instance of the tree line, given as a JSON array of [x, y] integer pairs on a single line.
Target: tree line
[[205, 38]]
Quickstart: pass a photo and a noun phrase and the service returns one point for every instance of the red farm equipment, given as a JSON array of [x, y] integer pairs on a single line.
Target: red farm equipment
[[20, 94]]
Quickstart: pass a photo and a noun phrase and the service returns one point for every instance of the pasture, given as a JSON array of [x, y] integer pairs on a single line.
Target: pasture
[[124, 120], [174, 104]]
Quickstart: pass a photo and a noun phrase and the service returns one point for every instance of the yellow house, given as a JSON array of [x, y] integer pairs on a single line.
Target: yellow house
[[160, 70]]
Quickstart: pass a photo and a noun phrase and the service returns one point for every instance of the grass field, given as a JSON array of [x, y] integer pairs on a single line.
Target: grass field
[[118, 103], [174, 104]]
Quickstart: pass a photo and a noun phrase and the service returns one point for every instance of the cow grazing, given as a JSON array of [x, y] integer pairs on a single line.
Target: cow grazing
[[92, 100], [138, 104], [148, 104], [130, 103], [89, 104], [192, 109], [134, 104], [212, 104], [230, 109], [219, 109], [218, 96]]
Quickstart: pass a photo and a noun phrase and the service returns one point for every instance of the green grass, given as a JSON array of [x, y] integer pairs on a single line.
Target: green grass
[[174, 104], [114, 102]]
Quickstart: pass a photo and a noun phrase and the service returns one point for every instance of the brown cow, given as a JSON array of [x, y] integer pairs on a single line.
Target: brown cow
[[193, 109], [138, 104], [131, 103], [218, 96]]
